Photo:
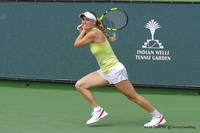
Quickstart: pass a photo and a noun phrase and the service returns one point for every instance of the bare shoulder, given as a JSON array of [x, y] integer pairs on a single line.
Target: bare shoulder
[[98, 36], [96, 32]]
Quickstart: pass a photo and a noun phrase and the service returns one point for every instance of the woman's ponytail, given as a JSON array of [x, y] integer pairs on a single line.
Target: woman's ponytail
[[101, 27]]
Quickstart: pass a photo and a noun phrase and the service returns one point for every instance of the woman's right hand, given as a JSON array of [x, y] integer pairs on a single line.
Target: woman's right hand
[[79, 27]]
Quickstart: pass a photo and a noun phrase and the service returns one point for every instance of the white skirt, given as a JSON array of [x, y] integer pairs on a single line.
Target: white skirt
[[116, 74]]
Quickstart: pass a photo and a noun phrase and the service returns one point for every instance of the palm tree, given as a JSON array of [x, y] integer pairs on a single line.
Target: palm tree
[[152, 25]]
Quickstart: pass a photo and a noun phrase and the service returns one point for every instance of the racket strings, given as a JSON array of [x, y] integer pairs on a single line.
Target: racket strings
[[115, 19]]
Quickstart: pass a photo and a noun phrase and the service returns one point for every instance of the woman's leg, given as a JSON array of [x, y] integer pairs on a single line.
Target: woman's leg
[[93, 79], [128, 90]]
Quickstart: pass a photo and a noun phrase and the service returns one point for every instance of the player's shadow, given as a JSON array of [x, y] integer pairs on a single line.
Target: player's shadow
[[116, 124]]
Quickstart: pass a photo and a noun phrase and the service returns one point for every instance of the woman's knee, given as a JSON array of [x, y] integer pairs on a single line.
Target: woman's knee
[[133, 98], [78, 85]]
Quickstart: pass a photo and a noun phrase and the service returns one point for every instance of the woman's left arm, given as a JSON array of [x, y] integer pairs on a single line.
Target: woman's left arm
[[84, 39]]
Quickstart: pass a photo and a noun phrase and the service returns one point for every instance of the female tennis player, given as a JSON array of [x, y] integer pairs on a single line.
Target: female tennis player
[[111, 70]]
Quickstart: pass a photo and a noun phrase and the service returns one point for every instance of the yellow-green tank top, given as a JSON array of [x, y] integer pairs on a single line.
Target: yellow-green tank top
[[104, 55]]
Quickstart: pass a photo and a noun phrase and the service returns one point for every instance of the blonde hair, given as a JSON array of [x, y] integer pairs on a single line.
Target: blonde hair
[[100, 26]]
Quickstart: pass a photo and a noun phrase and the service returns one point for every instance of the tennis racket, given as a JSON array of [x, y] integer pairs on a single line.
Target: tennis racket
[[114, 19]]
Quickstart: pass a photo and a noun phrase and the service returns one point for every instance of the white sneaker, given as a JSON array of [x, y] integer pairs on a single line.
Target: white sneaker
[[156, 121], [97, 115]]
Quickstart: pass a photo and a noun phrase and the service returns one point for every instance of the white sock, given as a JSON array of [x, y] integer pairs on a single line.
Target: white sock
[[97, 108], [155, 113]]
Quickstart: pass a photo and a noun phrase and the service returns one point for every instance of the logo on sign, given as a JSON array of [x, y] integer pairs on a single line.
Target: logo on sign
[[152, 43], [153, 49]]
